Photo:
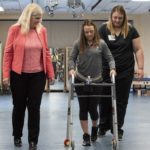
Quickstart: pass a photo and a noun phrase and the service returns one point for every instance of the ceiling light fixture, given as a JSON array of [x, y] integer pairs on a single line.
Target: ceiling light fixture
[[75, 4], [1, 9], [51, 6]]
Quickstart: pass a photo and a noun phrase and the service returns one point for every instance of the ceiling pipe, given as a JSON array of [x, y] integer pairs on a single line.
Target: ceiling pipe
[[1, 7], [20, 5], [75, 4], [95, 4]]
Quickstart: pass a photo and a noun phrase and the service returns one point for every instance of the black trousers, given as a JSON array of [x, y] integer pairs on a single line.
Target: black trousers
[[122, 94], [27, 90], [88, 104]]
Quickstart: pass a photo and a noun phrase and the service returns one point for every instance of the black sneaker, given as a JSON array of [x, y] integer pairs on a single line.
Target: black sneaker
[[102, 132], [120, 134], [94, 134], [17, 142], [32, 146], [86, 140]]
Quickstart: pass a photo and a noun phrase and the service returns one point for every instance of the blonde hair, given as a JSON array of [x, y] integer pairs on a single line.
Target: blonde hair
[[83, 41], [125, 24], [24, 19]]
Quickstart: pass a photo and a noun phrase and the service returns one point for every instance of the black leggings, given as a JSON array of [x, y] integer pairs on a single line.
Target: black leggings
[[87, 104], [27, 90], [122, 94]]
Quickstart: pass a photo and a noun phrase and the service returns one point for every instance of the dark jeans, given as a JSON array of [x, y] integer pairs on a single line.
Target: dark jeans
[[27, 90], [88, 104], [122, 94]]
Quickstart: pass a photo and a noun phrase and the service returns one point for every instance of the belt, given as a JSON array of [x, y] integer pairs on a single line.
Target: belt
[[83, 78]]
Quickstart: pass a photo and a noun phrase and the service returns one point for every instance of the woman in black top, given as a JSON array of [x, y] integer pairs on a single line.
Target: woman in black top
[[123, 41]]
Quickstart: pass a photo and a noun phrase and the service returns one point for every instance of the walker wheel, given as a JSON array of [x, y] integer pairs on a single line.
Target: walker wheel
[[67, 142], [72, 145], [114, 143]]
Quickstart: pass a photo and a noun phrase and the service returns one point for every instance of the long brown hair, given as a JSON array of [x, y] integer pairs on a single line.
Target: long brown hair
[[125, 25], [83, 40]]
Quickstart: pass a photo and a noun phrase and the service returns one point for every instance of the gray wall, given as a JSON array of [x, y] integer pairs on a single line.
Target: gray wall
[[60, 33]]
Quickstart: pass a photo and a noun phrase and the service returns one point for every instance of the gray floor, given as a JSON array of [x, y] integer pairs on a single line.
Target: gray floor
[[53, 125]]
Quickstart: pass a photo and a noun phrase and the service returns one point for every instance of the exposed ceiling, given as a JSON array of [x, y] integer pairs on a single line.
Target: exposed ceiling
[[61, 6]]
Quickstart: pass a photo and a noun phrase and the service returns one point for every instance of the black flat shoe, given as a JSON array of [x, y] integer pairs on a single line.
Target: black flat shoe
[[32, 146], [94, 134], [17, 142], [102, 132]]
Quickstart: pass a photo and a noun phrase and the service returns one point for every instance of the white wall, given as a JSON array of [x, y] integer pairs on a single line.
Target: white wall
[[63, 30], [144, 28]]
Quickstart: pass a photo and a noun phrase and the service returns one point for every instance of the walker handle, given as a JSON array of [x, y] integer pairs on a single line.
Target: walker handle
[[72, 78], [113, 78]]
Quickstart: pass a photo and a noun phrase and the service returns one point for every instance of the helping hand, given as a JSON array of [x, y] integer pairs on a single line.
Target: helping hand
[[6, 83], [140, 73], [72, 72], [51, 81], [113, 71]]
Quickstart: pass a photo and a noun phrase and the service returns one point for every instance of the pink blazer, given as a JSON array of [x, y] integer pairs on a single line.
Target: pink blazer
[[14, 52]]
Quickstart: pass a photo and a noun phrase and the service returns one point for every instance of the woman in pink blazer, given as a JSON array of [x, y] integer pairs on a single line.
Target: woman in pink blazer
[[26, 64]]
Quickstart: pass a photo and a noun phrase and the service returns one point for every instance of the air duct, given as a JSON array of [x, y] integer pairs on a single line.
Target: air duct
[[75, 4]]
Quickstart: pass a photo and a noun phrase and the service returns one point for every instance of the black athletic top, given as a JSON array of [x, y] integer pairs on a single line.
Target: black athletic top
[[121, 49]]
